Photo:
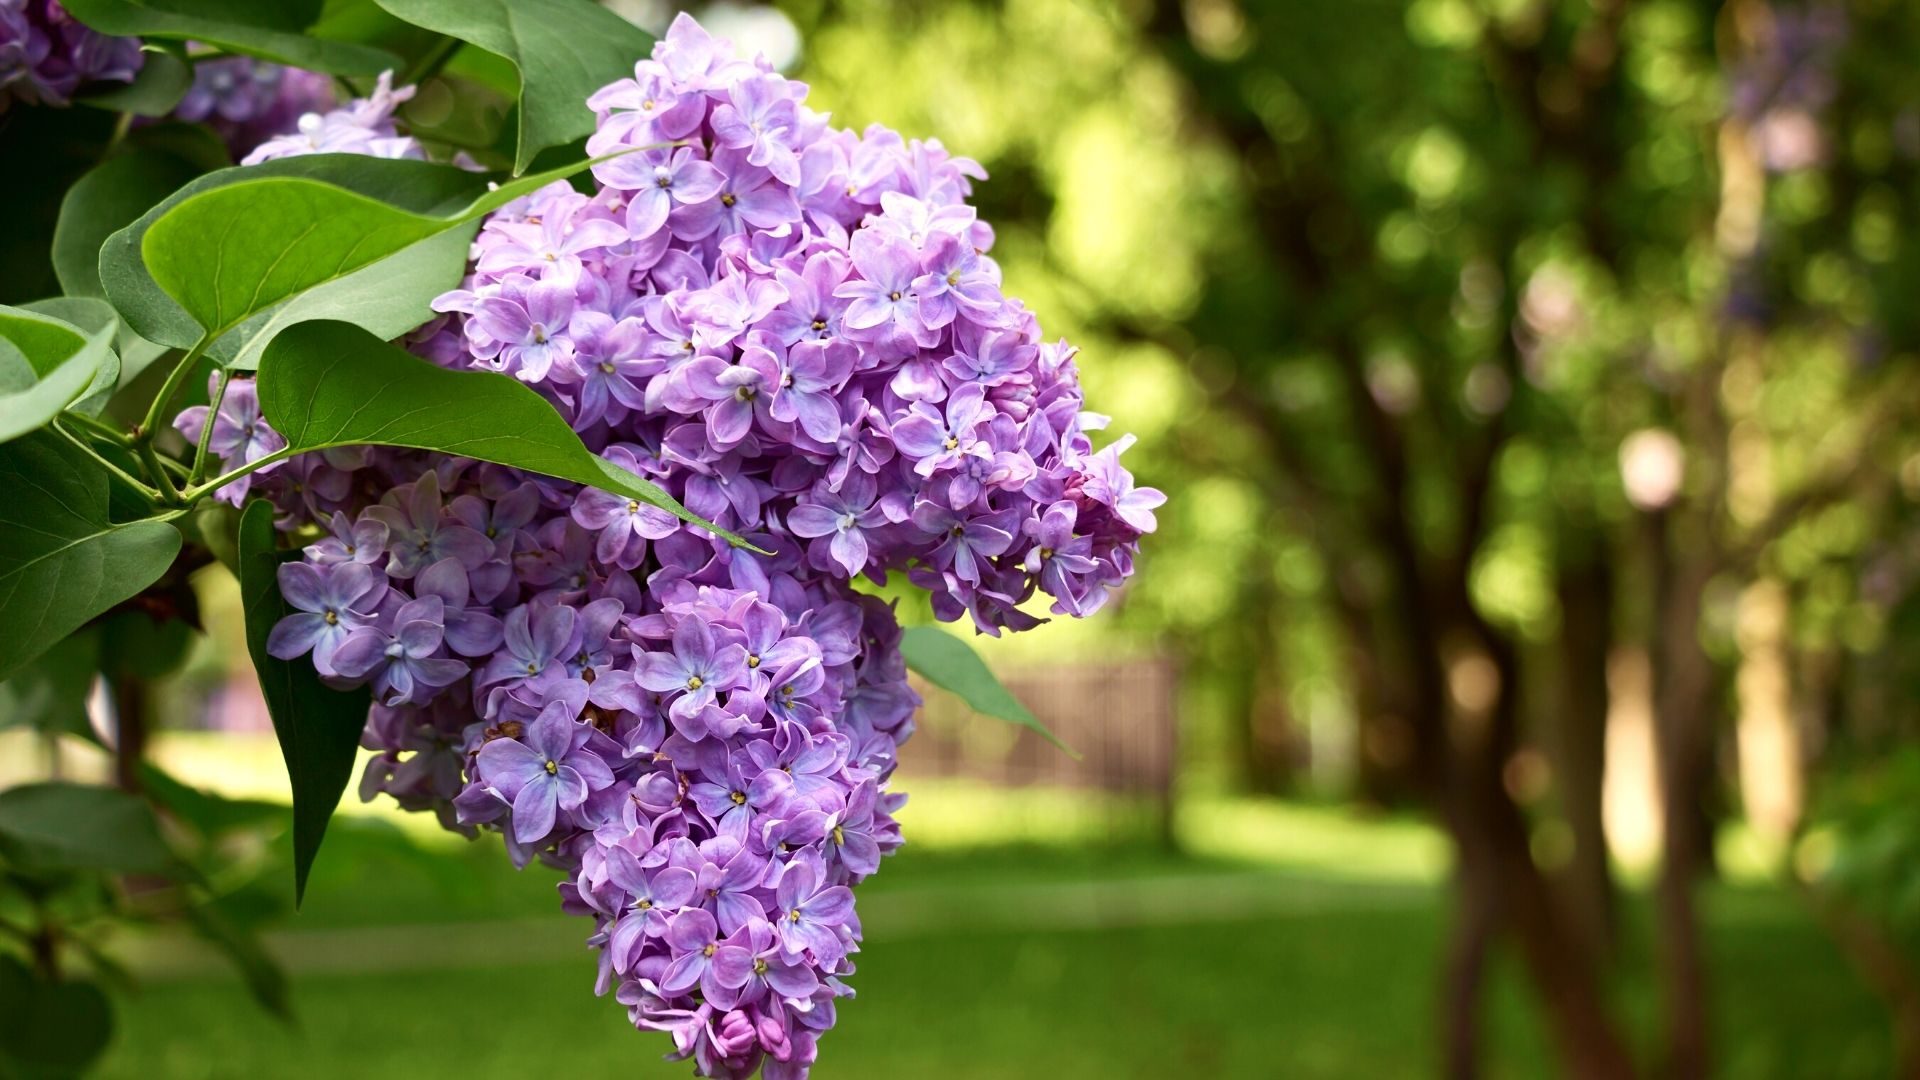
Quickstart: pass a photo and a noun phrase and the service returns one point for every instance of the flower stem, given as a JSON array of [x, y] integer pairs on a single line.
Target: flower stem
[[113, 470], [98, 428], [169, 389], [206, 429], [194, 494], [151, 458]]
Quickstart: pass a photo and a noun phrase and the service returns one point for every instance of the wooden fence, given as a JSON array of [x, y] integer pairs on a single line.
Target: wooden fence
[[1120, 717]]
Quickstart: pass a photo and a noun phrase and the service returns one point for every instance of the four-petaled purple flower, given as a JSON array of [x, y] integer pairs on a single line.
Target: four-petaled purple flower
[[811, 913], [404, 663], [333, 600], [695, 671], [552, 770]]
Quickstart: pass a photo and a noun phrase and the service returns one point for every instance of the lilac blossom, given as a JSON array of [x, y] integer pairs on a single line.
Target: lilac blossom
[[550, 771], [800, 336], [403, 661], [240, 435], [332, 602]]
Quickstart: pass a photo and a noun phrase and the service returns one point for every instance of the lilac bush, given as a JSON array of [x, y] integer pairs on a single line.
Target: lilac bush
[[798, 331]]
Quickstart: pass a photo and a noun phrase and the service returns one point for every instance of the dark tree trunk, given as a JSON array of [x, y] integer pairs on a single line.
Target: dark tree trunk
[[1578, 741], [1684, 712]]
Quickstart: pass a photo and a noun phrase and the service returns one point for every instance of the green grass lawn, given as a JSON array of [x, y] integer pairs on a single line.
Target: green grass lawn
[[1266, 957]]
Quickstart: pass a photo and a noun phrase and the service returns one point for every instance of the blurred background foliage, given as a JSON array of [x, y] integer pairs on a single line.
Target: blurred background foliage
[[1533, 381]]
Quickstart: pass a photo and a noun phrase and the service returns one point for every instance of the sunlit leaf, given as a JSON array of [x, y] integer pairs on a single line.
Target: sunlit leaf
[[328, 384], [418, 186], [259, 251]]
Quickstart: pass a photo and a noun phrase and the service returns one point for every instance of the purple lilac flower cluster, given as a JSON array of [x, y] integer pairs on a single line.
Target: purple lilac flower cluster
[[46, 55], [797, 331], [362, 126], [248, 100]]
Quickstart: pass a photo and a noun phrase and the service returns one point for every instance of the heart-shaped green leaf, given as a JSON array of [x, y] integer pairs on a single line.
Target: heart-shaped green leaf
[[92, 315], [328, 384], [62, 561], [418, 186], [564, 50], [65, 364], [270, 30], [318, 726], [105, 200], [951, 664], [261, 251]]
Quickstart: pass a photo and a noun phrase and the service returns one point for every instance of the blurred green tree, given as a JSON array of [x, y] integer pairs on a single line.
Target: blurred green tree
[[1493, 348]]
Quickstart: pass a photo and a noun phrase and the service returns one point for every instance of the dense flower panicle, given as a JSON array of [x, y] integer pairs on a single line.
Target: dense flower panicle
[[798, 332], [46, 55]]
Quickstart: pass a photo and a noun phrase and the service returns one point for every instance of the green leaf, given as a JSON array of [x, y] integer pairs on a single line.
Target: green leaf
[[951, 664], [62, 561], [165, 77], [92, 315], [328, 384], [272, 31], [318, 727], [66, 361], [419, 186], [262, 252], [50, 1030], [59, 828], [105, 200], [564, 50], [50, 694]]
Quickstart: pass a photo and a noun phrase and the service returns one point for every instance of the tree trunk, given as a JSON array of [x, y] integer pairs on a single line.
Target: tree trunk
[[1579, 744], [1683, 722]]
